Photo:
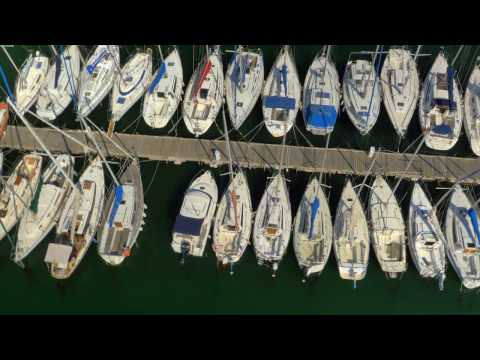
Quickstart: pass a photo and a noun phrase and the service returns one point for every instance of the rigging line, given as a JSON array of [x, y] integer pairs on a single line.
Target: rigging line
[[303, 136], [175, 125], [136, 121]]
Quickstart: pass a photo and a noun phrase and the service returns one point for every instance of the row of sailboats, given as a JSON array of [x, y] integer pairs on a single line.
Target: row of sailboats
[[441, 108], [79, 211]]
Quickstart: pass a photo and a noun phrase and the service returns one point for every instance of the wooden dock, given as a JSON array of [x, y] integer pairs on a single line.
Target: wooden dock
[[253, 155]]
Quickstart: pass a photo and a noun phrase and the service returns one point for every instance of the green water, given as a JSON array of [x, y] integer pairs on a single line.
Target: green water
[[151, 281]]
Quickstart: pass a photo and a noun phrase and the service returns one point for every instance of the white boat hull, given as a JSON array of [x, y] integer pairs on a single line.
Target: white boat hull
[[29, 81], [472, 110]]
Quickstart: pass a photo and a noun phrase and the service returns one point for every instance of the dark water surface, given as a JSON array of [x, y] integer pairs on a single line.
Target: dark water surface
[[151, 281]]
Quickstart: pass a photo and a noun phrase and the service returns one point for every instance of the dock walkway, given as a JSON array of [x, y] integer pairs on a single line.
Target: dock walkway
[[253, 155]]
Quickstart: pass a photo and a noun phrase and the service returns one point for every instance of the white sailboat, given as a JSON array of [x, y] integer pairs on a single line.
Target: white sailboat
[[78, 222], [362, 94], [350, 236], [4, 117], [273, 223], [400, 88], [425, 237], [233, 221], [192, 225], [281, 94], [123, 217], [321, 94], [462, 235], [30, 80], [440, 107], [18, 191], [388, 229], [53, 190], [204, 94], [243, 84], [164, 92], [97, 78], [312, 232], [60, 85], [472, 109], [132, 84]]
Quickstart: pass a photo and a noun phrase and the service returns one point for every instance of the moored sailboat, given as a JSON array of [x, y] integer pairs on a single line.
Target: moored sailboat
[[312, 232], [440, 107], [204, 94], [425, 237], [321, 94], [281, 94], [37, 223], [78, 222], [164, 92]]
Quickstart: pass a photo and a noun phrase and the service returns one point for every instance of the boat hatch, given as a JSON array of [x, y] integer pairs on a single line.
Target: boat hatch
[[429, 243], [58, 254], [160, 94], [188, 226], [271, 230], [87, 184], [203, 93]]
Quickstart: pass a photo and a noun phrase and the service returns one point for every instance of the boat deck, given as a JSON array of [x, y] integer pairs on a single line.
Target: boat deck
[[254, 155]]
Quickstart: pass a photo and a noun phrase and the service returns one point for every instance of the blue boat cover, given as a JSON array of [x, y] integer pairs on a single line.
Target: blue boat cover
[[450, 76], [284, 72], [157, 78], [441, 102], [121, 100], [322, 95], [443, 129], [321, 116], [279, 102], [236, 70], [313, 214], [5, 82], [116, 204], [474, 218], [187, 226], [91, 67]]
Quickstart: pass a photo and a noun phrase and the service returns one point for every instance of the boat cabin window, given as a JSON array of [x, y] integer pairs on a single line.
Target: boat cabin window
[[429, 243], [203, 93], [160, 94], [442, 83], [239, 104]]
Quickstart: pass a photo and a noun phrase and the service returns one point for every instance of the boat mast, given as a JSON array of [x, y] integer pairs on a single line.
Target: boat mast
[[54, 50], [227, 139], [419, 47], [161, 54], [9, 58], [458, 53]]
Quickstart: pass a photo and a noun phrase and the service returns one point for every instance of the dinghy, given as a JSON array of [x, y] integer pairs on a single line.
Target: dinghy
[[4, 116], [123, 217], [131, 84], [388, 229], [281, 94], [472, 110], [243, 84], [29, 81], [78, 222], [192, 225], [233, 221], [400, 88], [462, 235], [19, 191], [440, 107], [164, 92], [37, 223], [350, 236], [204, 94], [361, 94], [60, 85], [425, 237], [312, 233], [273, 222], [97, 77], [321, 95]]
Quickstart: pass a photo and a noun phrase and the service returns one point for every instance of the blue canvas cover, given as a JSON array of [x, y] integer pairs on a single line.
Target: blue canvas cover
[[474, 218], [441, 102], [91, 67], [321, 116], [279, 102], [284, 72], [313, 214], [443, 129], [187, 226], [156, 80], [116, 204]]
